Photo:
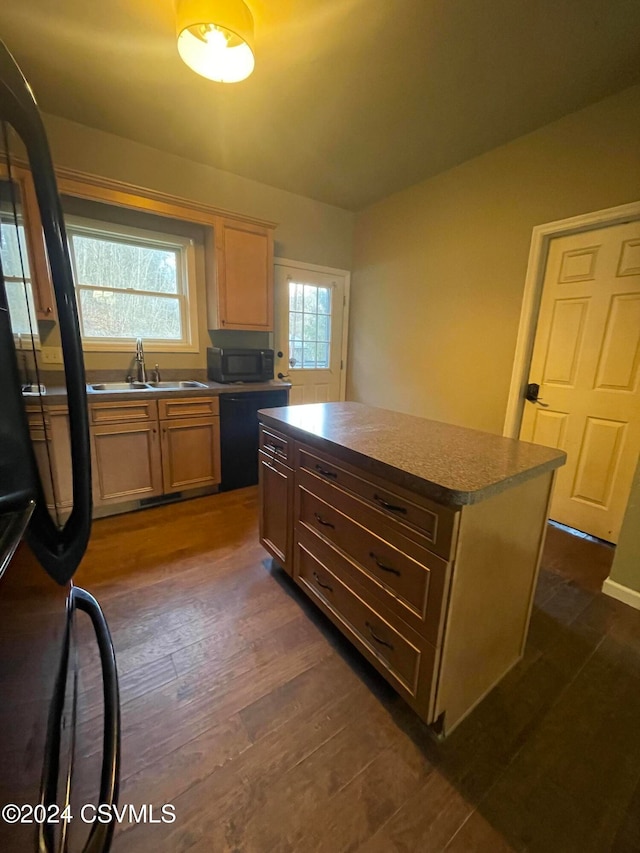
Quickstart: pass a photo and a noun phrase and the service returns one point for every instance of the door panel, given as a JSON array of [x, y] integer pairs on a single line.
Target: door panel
[[310, 309], [190, 453], [587, 360], [127, 462]]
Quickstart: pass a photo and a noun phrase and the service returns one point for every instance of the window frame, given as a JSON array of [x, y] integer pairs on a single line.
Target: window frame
[[33, 334], [187, 284]]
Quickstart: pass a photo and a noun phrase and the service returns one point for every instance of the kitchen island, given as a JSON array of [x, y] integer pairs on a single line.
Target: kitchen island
[[421, 541]]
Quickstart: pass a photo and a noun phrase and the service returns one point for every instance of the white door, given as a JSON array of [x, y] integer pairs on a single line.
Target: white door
[[310, 332], [586, 359]]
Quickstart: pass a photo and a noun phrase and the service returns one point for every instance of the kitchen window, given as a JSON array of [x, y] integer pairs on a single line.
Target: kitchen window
[[133, 283], [17, 276]]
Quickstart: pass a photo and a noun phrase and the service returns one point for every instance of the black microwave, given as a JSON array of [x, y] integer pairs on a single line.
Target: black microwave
[[227, 364]]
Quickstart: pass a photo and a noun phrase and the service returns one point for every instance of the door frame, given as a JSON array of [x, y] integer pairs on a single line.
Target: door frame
[[344, 343], [540, 239]]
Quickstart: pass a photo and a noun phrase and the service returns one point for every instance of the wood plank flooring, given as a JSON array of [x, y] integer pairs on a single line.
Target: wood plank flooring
[[245, 709]]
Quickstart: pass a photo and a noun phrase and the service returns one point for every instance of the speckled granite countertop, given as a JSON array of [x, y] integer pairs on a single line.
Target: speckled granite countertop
[[56, 395], [449, 464]]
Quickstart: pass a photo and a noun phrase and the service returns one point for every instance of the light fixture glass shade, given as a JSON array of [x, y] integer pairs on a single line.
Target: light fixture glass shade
[[215, 38]]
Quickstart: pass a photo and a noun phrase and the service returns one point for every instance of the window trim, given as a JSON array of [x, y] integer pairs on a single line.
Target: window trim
[[185, 247]]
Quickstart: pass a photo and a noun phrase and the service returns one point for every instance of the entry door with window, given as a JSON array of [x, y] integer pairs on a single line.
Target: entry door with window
[[586, 360], [310, 317]]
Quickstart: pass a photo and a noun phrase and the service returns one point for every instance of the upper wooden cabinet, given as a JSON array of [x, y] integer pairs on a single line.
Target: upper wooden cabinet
[[37, 271], [242, 295]]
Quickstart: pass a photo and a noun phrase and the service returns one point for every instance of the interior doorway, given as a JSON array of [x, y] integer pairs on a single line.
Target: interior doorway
[[581, 331]]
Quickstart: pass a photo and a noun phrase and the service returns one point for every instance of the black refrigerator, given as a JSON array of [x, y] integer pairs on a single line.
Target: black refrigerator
[[49, 628]]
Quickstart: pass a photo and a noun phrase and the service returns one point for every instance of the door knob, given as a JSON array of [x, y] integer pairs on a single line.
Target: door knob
[[283, 376], [533, 389]]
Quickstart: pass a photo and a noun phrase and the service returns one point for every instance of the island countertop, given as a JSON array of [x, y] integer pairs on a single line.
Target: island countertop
[[450, 464]]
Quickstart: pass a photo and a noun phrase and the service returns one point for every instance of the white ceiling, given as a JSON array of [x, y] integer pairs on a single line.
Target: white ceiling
[[350, 100]]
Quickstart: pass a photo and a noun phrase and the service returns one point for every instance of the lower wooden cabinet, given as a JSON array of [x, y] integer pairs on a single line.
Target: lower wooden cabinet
[[127, 465], [52, 449], [190, 453], [147, 448], [276, 499]]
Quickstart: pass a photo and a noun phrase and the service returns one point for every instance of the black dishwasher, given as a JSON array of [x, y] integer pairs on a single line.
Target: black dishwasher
[[239, 434]]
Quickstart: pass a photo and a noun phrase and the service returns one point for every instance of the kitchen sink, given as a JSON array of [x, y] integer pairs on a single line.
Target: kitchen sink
[[118, 386], [181, 385], [176, 386]]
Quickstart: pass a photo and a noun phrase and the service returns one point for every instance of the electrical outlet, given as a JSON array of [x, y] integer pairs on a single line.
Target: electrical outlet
[[52, 355]]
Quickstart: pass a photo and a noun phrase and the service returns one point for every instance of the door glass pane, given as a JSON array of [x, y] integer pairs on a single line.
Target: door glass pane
[[309, 326]]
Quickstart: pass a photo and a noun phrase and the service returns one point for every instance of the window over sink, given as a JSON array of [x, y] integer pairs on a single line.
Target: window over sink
[[133, 283]]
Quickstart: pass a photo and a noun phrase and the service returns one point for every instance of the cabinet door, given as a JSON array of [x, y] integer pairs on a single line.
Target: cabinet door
[[244, 272], [276, 494], [126, 462], [36, 264], [190, 453], [61, 458], [52, 449]]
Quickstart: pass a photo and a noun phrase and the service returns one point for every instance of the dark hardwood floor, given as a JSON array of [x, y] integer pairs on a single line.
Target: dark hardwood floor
[[245, 709]]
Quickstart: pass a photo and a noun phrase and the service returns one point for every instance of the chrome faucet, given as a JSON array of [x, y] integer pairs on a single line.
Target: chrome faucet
[[142, 373]]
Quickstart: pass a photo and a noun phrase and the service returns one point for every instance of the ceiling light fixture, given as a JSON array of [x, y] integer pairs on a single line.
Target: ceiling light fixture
[[215, 38]]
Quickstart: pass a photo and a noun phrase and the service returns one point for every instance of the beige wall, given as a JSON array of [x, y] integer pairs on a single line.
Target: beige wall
[[307, 230], [626, 564], [439, 269]]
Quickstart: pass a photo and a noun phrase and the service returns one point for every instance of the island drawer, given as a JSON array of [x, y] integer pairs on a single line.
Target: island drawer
[[435, 522], [123, 411], [359, 515], [417, 597], [396, 649], [189, 407], [275, 444], [400, 564]]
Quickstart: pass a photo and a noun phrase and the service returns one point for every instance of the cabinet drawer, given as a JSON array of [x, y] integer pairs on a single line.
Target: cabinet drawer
[[188, 407], [399, 563], [123, 412], [434, 522], [418, 599], [400, 657], [275, 444]]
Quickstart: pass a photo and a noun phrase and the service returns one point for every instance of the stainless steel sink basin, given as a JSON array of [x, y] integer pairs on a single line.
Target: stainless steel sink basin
[[184, 384], [118, 386], [176, 386]]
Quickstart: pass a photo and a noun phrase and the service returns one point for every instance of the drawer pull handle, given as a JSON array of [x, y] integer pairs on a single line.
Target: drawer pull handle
[[382, 565], [377, 639], [321, 520], [275, 448], [323, 585], [391, 507], [326, 473]]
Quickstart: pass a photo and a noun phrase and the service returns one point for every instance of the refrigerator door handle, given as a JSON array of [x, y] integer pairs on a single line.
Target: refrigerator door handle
[[51, 766], [99, 840]]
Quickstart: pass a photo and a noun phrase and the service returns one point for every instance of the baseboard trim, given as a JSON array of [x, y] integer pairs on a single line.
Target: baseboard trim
[[622, 593]]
